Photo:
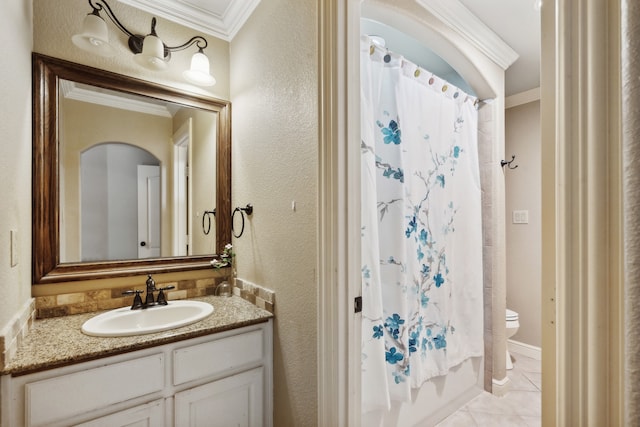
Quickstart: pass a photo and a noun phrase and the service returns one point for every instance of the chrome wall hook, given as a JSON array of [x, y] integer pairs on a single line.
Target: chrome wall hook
[[504, 163]]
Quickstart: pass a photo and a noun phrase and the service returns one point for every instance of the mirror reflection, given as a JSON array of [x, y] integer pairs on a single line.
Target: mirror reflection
[[127, 175], [137, 176]]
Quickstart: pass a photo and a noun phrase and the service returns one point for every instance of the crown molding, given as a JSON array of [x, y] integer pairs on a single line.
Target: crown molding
[[71, 90], [222, 20], [456, 16], [522, 98]]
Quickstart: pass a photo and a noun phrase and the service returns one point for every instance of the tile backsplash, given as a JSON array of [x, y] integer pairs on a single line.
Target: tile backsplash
[[261, 297], [11, 336], [106, 299]]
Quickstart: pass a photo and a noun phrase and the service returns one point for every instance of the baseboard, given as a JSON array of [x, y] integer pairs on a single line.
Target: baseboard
[[458, 402], [525, 349], [500, 387]]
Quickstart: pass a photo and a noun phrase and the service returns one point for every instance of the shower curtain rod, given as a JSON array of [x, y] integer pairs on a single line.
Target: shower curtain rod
[[374, 45], [485, 101]]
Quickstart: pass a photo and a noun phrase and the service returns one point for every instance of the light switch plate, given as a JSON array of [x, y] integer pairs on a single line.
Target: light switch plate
[[520, 217]]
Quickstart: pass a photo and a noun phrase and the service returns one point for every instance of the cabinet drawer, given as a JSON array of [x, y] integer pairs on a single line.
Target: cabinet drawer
[[149, 414], [66, 396], [215, 357]]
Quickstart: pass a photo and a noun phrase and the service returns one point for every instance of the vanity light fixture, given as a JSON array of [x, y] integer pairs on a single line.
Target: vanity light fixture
[[149, 51]]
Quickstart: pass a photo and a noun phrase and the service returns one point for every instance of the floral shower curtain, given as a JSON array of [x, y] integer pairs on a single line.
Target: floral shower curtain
[[421, 227]]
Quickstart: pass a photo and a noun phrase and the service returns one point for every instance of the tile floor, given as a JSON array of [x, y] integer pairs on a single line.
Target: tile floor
[[520, 407]]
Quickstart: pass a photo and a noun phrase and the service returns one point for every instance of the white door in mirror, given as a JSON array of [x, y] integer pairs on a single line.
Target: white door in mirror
[[124, 322]]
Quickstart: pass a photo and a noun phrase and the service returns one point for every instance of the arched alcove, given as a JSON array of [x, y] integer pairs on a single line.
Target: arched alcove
[[484, 76], [473, 62]]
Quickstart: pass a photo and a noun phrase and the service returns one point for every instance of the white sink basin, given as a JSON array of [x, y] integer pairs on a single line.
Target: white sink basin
[[124, 322]]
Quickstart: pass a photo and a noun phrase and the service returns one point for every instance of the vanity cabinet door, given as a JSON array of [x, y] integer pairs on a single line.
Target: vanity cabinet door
[[57, 400], [223, 379], [235, 401], [150, 414]]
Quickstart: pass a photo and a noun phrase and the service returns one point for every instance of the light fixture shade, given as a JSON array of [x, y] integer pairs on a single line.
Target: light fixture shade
[[152, 55], [94, 37], [199, 73]]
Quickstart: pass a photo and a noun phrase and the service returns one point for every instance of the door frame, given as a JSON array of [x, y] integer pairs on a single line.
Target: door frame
[[182, 207], [582, 236], [339, 343], [583, 380]]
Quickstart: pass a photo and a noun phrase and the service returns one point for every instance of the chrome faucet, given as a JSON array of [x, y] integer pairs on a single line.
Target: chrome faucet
[[149, 301]]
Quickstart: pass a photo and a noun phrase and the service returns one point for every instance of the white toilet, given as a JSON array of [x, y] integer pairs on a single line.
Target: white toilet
[[512, 328]]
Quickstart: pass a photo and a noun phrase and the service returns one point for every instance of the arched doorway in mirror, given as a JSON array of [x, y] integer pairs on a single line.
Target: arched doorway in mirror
[[120, 202]]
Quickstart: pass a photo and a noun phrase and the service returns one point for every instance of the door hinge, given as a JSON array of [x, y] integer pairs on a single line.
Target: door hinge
[[357, 304]]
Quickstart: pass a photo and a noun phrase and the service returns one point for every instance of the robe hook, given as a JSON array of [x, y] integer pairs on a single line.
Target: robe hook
[[504, 163]]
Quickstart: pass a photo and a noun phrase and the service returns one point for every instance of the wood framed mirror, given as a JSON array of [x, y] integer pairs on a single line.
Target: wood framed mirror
[[55, 259]]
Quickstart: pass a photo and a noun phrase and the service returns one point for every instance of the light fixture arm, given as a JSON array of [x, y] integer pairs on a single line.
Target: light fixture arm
[[136, 40], [102, 5], [199, 41]]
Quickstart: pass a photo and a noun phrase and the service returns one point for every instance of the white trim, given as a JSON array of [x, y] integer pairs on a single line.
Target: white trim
[[107, 98], [455, 15], [583, 332], [224, 25], [339, 346], [354, 217], [501, 387], [522, 98], [549, 207], [458, 402], [182, 202], [524, 349], [500, 383]]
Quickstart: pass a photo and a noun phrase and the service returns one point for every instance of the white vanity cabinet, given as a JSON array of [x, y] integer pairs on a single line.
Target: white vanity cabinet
[[233, 401], [224, 379]]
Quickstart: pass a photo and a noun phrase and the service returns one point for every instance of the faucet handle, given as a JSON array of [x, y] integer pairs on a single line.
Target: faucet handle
[[137, 300], [162, 300]]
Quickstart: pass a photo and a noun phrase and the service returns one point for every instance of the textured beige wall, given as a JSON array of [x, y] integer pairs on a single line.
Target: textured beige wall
[[274, 91], [523, 192], [631, 183], [15, 155]]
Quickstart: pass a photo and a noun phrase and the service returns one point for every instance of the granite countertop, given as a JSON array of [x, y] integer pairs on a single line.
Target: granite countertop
[[59, 341]]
